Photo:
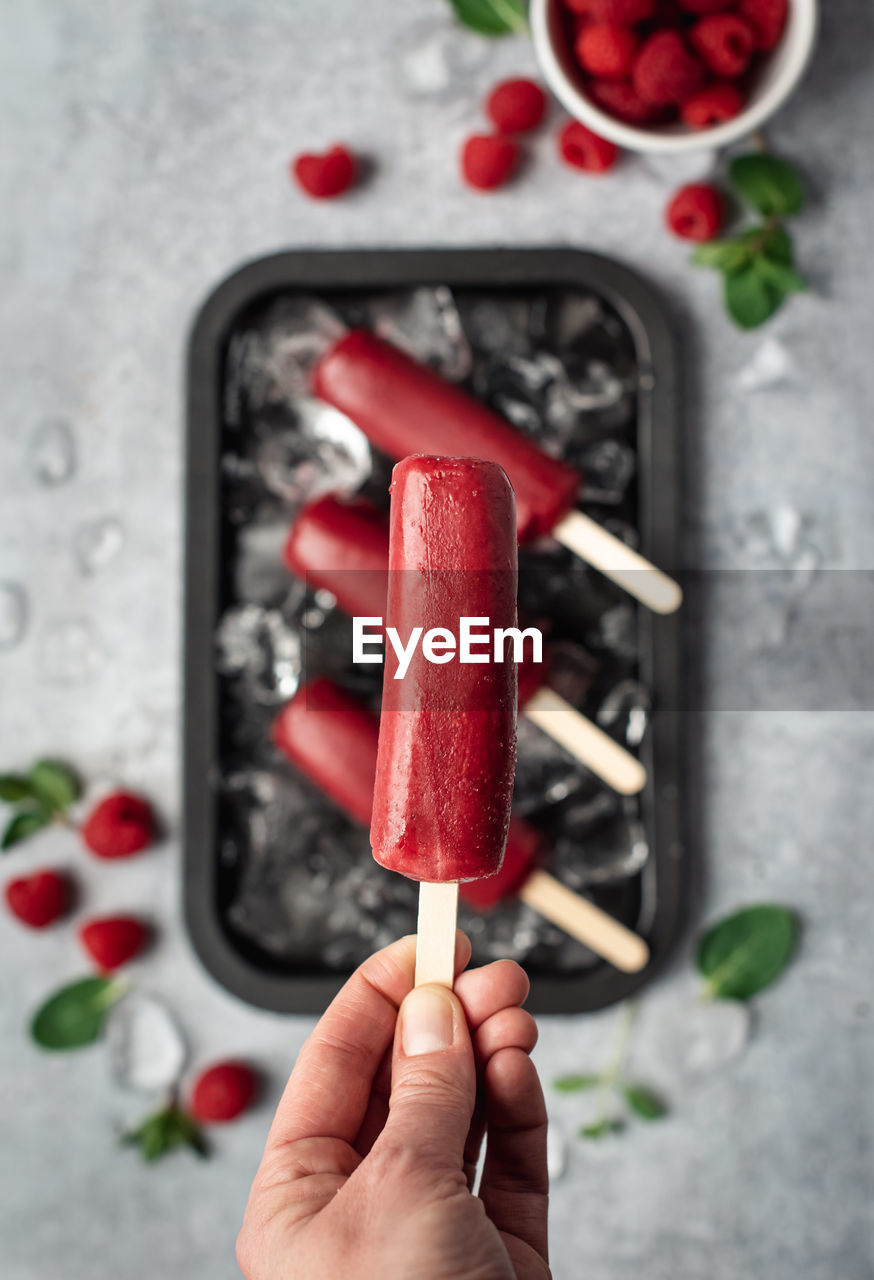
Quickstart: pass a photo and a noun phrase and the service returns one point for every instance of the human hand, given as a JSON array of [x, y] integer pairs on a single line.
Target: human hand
[[369, 1163]]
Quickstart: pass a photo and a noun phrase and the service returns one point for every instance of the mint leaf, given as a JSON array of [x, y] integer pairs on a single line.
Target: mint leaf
[[25, 824], [643, 1102], [780, 275], [776, 245], [164, 1131], [770, 185], [751, 297], [575, 1084], [491, 17], [724, 255], [14, 788], [54, 784], [746, 952], [601, 1129], [73, 1016]]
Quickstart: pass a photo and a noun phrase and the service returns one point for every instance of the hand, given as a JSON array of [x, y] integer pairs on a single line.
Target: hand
[[369, 1163]]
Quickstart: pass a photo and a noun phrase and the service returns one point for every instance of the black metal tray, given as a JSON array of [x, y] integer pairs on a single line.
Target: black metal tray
[[654, 905]]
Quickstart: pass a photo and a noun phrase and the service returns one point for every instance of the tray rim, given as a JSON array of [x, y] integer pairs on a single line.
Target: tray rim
[[327, 270]]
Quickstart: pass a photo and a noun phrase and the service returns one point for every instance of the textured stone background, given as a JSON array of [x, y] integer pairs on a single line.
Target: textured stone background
[[145, 151]]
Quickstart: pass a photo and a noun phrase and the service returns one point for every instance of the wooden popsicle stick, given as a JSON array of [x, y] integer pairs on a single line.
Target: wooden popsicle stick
[[592, 543], [585, 922], [435, 934], [590, 745]]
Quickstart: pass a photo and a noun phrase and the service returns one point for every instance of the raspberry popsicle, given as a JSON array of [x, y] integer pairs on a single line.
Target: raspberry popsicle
[[332, 739], [342, 546], [447, 734], [401, 405]]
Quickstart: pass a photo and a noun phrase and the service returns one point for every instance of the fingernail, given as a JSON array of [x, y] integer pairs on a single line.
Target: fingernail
[[426, 1021]]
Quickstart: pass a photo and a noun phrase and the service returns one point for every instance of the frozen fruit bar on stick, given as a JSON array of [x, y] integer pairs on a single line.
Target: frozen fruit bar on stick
[[341, 546], [332, 739], [402, 406], [447, 733]]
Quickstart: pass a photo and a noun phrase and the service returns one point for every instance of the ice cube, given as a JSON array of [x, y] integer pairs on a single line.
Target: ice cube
[[70, 651], [608, 467], [13, 614], [97, 543], [437, 59], [699, 1036], [145, 1044], [600, 839], [53, 452], [770, 366], [546, 774], [625, 712], [320, 451], [271, 363], [258, 645], [426, 324]]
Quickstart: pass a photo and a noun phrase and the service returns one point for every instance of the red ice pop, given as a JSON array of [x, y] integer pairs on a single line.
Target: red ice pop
[[403, 406], [332, 739], [447, 737], [341, 545]]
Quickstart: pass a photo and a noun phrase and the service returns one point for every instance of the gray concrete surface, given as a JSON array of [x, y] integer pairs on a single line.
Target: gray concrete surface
[[145, 151]]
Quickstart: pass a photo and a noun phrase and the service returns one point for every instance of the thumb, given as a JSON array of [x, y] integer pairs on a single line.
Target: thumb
[[433, 1078]]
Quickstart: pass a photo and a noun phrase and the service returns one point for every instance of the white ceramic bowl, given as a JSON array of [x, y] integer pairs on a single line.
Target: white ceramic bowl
[[778, 78]]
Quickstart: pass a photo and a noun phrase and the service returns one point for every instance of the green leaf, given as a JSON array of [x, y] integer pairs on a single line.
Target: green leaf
[[724, 255], [575, 1084], [164, 1131], [643, 1102], [54, 784], [777, 245], [750, 296], [746, 952], [491, 17], [780, 276], [770, 185], [14, 788], [601, 1129], [25, 823], [74, 1016]]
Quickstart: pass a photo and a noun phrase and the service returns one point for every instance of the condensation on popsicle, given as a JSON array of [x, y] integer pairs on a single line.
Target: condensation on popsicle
[[447, 736]]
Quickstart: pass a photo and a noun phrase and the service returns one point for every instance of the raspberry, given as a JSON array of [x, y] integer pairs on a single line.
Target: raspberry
[[768, 20], [113, 940], [487, 161], [606, 49], [39, 899], [120, 825], [325, 176], [725, 42], [713, 105], [625, 12], [695, 212], [223, 1092], [583, 149], [665, 72], [706, 6], [623, 101], [514, 106]]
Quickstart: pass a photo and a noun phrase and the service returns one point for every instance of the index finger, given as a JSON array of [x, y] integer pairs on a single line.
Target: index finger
[[329, 1089]]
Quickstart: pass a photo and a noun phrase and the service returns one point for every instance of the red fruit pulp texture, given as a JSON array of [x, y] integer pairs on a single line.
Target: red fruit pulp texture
[[325, 176], [119, 826], [725, 42], [582, 149], [38, 900], [113, 940], [606, 49], [488, 161], [515, 106], [695, 212], [713, 105], [223, 1092]]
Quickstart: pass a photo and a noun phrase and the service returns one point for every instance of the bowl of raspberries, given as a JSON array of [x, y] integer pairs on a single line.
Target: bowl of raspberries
[[673, 75]]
